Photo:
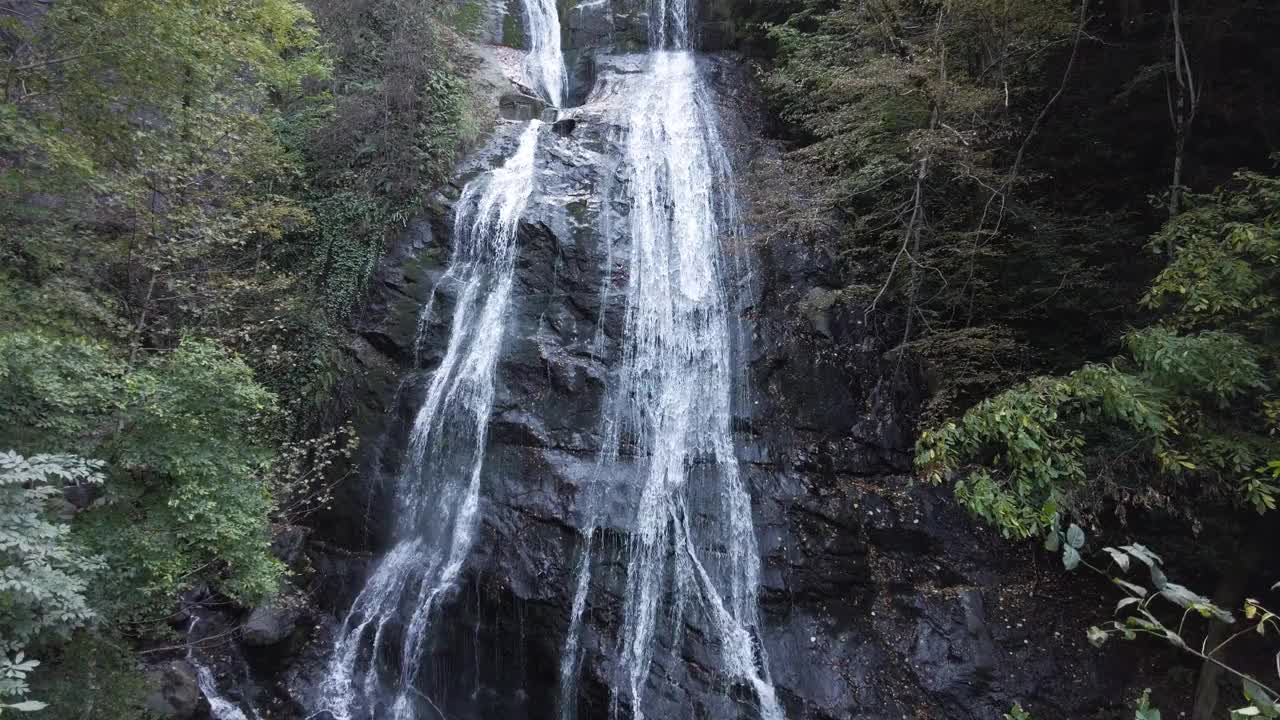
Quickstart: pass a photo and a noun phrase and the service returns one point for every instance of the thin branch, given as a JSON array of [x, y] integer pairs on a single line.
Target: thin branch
[[1007, 186]]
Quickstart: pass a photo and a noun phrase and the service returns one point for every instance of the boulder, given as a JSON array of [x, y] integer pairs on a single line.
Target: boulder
[[289, 544], [175, 691], [270, 624]]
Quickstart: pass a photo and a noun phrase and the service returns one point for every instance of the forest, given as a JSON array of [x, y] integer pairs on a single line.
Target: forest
[[1073, 211], [1064, 217]]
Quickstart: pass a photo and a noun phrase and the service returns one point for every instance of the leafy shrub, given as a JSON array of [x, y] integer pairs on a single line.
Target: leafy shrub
[[185, 452], [1189, 408], [44, 572]]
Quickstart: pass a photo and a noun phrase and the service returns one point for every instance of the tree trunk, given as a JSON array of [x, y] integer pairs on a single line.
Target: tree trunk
[[1184, 101], [1175, 185], [1229, 595]]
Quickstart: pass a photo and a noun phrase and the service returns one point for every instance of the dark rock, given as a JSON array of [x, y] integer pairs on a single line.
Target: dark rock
[[81, 496], [289, 544], [879, 599], [521, 106], [953, 649], [175, 691], [270, 624]]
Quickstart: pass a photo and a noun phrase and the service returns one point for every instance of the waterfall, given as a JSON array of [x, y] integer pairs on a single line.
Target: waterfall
[[544, 67], [220, 708], [691, 556], [438, 492], [673, 396], [676, 386]]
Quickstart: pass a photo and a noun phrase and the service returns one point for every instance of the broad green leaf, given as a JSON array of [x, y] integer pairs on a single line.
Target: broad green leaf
[[1131, 587], [1142, 554], [1186, 598], [1070, 558], [1144, 710], [1075, 536], [1158, 578], [1119, 558]]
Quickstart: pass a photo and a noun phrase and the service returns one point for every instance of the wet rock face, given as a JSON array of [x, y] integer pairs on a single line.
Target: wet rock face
[[879, 599]]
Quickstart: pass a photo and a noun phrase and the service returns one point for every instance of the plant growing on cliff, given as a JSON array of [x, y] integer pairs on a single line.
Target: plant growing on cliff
[[1190, 408], [178, 499], [912, 123], [389, 132], [1142, 616], [182, 442], [192, 199], [1184, 422], [44, 572]]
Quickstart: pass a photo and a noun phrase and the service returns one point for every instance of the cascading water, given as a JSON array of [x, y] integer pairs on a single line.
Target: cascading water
[[671, 403], [692, 554], [438, 493], [544, 66], [220, 708]]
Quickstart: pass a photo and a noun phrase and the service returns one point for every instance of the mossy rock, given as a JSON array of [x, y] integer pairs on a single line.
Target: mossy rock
[[513, 25]]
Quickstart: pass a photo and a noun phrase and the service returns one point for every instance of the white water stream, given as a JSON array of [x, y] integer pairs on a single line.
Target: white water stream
[[692, 557], [672, 399], [544, 66], [438, 492], [219, 706]]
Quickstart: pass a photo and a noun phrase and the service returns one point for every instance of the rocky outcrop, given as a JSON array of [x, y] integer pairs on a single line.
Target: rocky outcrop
[[270, 624], [879, 598], [174, 691]]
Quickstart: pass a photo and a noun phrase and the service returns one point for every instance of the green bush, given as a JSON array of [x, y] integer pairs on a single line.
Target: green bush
[[1190, 410]]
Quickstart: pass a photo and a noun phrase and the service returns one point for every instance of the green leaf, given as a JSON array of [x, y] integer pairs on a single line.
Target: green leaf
[[1125, 602], [1017, 713], [1144, 710], [1147, 714], [1070, 558], [1261, 699], [1119, 558], [1184, 597], [1131, 587], [28, 706], [1158, 578], [1142, 554], [1052, 541], [1075, 536]]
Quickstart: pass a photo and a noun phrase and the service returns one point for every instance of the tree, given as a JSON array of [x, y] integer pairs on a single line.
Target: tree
[[44, 571], [914, 119], [1184, 422], [1189, 409], [181, 436], [193, 197]]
